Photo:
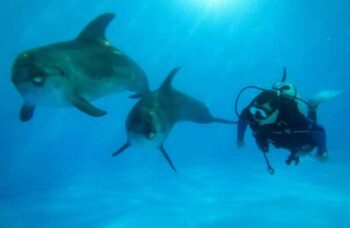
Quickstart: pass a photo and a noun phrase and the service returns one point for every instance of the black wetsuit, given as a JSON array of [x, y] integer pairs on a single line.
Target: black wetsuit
[[292, 130]]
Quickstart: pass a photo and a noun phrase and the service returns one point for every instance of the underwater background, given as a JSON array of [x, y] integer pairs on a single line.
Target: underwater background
[[57, 169]]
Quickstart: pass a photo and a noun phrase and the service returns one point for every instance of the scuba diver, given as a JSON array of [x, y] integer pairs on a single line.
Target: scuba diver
[[276, 117]]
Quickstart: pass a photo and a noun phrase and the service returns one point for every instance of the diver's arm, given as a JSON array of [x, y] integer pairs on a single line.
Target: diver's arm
[[262, 143], [241, 128]]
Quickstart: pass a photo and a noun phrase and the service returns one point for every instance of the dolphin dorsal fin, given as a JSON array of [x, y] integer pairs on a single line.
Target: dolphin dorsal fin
[[168, 80], [95, 30]]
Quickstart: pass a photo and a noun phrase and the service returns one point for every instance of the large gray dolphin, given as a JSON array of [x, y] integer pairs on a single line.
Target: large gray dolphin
[[76, 71], [151, 119]]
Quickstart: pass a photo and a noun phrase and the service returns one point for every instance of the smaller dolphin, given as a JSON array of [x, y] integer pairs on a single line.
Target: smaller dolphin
[[75, 72], [152, 118]]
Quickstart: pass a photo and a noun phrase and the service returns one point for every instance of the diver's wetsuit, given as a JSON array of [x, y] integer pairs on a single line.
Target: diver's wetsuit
[[291, 130]]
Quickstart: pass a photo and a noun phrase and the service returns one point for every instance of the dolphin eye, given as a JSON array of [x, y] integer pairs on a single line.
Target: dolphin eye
[[38, 80]]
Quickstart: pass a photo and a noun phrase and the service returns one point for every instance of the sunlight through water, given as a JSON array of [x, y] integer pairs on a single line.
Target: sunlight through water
[[214, 5], [221, 8]]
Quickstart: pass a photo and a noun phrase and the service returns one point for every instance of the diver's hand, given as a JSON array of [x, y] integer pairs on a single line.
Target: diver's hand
[[264, 147], [292, 158], [262, 144], [240, 144], [322, 157]]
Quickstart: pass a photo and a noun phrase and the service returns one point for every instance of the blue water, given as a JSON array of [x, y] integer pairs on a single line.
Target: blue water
[[57, 170]]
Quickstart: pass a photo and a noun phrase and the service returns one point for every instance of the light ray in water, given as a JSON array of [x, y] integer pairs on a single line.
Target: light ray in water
[[214, 4]]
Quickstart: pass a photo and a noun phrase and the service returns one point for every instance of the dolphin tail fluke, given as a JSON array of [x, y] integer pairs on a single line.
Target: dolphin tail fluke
[[27, 112], [220, 120], [121, 149], [83, 105], [322, 97], [166, 156]]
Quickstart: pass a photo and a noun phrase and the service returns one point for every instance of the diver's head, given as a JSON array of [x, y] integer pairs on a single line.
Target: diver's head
[[264, 108], [285, 89]]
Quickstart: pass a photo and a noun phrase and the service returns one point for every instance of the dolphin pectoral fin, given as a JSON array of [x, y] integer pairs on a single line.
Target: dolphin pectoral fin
[[166, 156], [136, 96], [83, 105], [27, 111], [121, 149], [220, 120]]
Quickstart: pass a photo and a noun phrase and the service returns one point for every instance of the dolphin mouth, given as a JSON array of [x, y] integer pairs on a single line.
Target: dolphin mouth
[[145, 140], [25, 73], [151, 135]]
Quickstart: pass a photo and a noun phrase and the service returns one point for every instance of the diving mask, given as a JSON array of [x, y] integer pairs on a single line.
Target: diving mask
[[259, 113]]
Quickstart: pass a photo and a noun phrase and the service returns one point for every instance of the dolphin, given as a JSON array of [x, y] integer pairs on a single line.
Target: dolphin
[[154, 115], [75, 72]]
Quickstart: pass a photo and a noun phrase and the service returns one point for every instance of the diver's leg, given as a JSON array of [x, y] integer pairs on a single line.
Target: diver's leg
[[294, 156], [319, 136]]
